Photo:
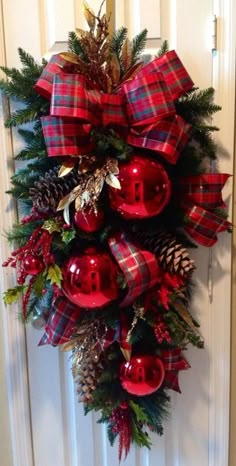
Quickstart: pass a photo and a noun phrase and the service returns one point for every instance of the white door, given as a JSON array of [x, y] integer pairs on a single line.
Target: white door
[[47, 424]]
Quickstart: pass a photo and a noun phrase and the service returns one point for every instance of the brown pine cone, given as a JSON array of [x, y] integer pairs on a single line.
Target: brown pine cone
[[49, 190]]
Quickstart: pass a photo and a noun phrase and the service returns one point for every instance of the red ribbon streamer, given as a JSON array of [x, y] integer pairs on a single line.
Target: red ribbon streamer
[[173, 363], [139, 267], [201, 194]]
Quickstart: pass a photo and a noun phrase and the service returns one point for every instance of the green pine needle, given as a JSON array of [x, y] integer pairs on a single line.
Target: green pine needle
[[117, 41], [138, 45], [164, 48]]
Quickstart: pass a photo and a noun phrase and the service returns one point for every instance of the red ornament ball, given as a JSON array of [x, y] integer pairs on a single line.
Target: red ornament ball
[[88, 220], [142, 375], [32, 265], [90, 279], [145, 189]]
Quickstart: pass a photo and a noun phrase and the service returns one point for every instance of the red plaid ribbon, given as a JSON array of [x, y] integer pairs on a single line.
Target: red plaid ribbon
[[139, 267], [66, 137], [204, 190], [144, 105], [61, 322], [200, 195], [173, 363], [44, 85], [203, 225]]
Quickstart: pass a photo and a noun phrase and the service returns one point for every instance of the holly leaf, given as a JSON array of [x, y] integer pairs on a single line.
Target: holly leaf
[[139, 412], [39, 284], [68, 235], [51, 226], [13, 294], [55, 275]]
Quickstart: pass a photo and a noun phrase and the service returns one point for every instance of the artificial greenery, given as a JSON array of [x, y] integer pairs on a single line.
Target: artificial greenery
[[197, 107]]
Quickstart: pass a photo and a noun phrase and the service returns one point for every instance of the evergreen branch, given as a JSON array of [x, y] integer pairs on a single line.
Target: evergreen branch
[[138, 45], [196, 105], [28, 61], [24, 115], [20, 233], [75, 46], [117, 41], [164, 48]]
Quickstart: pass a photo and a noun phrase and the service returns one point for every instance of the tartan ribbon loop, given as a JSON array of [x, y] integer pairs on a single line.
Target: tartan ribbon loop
[[204, 225], [173, 363], [204, 190], [61, 323], [139, 267], [201, 194], [143, 106]]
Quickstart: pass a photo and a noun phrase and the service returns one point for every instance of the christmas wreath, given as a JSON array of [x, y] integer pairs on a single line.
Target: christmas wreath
[[118, 185]]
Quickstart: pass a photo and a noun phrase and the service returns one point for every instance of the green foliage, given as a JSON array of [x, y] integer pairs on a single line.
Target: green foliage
[[20, 87], [140, 438], [39, 284], [139, 412], [20, 233], [68, 235], [138, 45], [75, 46], [118, 40], [163, 49], [13, 294], [109, 144], [54, 274]]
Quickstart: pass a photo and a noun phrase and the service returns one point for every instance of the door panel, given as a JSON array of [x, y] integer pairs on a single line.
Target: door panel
[[197, 430]]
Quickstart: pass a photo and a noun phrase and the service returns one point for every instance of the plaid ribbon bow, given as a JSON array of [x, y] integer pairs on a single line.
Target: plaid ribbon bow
[[139, 267], [144, 105], [201, 194], [173, 363], [61, 322]]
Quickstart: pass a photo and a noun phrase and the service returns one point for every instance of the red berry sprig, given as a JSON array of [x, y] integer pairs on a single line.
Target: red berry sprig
[[33, 256], [161, 331]]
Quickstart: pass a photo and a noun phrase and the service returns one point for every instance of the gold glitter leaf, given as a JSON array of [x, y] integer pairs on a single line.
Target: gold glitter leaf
[[126, 54], [184, 314], [113, 181], [115, 69], [70, 57], [64, 202], [66, 168], [89, 15]]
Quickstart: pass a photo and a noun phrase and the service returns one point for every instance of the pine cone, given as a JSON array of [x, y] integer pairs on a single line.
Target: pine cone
[[173, 256], [86, 375], [49, 190]]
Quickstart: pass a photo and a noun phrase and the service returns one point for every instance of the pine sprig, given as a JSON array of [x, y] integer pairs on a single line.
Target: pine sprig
[[163, 49], [197, 105], [138, 45], [75, 46], [118, 40], [20, 233]]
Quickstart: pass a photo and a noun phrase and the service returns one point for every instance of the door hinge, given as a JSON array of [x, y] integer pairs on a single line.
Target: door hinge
[[214, 33]]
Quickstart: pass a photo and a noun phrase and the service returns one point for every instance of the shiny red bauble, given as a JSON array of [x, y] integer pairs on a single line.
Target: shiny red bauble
[[32, 265], [142, 375], [88, 220], [90, 279], [145, 189]]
